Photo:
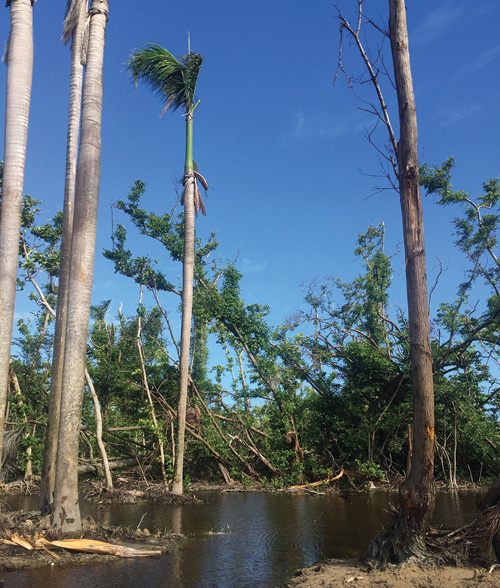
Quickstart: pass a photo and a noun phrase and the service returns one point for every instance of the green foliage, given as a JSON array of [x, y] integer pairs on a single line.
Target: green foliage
[[166, 229], [369, 468], [173, 80], [287, 405]]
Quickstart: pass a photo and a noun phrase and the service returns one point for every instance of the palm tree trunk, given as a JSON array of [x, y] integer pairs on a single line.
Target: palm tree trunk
[[17, 107], [75, 99], [187, 306], [66, 512]]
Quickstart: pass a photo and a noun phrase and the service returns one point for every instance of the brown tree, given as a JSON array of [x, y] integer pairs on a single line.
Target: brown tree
[[406, 538]]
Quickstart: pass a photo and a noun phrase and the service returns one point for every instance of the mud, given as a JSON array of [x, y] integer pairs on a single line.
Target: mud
[[344, 573]]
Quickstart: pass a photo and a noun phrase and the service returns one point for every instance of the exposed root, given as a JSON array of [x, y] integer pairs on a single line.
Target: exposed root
[[468, 544]]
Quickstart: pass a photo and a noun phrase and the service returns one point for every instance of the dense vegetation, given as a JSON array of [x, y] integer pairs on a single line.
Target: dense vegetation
[[329, 389]]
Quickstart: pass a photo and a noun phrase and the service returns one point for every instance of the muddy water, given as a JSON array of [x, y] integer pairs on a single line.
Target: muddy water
[[237, 540]]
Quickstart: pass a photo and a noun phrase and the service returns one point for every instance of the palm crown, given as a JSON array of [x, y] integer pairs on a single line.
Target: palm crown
[[173, 80]]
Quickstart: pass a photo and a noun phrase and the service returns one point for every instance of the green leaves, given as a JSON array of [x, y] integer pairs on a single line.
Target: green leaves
[[172, 80], [166, 229]]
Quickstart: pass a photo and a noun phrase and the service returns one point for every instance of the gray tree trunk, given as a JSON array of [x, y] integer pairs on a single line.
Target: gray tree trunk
[[75, 100], [66, 511], [187, 312], [17, 107]]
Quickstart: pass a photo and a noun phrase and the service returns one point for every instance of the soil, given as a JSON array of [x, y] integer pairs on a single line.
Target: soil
[[337, 573]]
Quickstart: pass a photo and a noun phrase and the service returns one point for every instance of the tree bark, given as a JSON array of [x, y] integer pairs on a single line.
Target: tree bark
[[416, 494], [66, 512], [187, 307], [75, 99], [17, 107]]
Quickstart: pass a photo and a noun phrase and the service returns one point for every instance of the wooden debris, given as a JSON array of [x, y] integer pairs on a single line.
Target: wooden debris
[[93, 546], [319, 483], [85, 545], [20, 541]]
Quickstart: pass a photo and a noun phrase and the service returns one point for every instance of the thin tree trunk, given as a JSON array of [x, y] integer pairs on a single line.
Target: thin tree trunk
[[98, 432], [17, 107], [28, 472], [66, 512], [187, 307], [148, 394], [75, 99]]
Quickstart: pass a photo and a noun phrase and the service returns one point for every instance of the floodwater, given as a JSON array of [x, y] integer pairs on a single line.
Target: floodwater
[[237, 540]]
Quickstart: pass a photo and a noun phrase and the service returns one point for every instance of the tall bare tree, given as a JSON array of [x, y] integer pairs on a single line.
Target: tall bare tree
[[416, 494], [66, 511], [19, 59], [406, 538], [74, 26]]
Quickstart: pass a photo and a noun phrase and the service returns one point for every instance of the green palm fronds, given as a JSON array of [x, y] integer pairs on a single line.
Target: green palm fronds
[[173, 80]]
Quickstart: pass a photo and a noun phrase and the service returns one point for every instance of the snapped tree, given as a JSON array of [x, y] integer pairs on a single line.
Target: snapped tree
[[406, 538]]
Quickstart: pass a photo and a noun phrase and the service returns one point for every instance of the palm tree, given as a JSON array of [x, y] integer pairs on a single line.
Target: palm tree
[[174, 81], [74, 26], [66, 512], [19, 59]]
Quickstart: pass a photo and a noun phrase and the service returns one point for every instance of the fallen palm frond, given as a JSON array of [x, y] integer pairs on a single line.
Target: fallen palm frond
[[86, 545], [93, 546], [16, 540], [470, 543]]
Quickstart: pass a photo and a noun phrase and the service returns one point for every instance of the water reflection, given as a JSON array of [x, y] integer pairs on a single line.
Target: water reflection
[[237, 539]]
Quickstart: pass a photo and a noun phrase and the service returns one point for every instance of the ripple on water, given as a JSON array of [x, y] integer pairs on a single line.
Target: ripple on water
[[237, 539]]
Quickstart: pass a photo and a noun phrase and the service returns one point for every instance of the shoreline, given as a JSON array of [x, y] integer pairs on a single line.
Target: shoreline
[[339, 573]]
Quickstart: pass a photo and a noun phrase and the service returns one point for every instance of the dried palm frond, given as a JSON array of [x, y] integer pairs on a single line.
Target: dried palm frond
[[199, 204], [201, 179], [11, 444], [470, 543]]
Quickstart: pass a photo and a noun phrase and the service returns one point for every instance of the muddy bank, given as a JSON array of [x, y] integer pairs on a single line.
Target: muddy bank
[[337, 573], [32, 525]]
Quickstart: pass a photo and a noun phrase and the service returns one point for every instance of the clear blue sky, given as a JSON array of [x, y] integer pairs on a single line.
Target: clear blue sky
[[283, 148]]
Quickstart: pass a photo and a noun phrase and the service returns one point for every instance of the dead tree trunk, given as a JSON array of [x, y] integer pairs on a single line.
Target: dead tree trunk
[[406, 538], [416, 495]]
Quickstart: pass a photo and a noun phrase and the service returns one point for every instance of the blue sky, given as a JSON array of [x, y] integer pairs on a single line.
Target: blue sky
[[283, 148]]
